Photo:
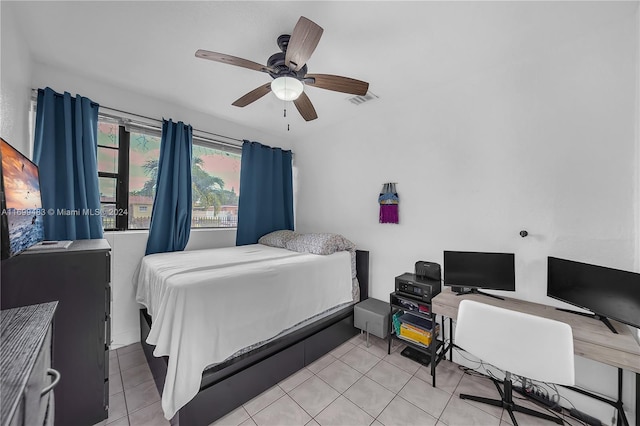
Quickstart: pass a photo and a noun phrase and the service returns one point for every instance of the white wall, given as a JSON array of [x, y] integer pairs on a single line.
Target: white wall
[[545, 143], [15, 84]]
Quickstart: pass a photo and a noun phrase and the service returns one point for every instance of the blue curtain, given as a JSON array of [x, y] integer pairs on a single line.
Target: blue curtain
[[171, 215], [65, 150], [266, 192]]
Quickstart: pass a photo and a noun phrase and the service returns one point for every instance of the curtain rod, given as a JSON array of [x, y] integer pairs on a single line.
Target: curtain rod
[[34, 93], [160, 121]]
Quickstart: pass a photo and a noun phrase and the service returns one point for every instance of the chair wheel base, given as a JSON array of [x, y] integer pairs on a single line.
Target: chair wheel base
[[511, 407]]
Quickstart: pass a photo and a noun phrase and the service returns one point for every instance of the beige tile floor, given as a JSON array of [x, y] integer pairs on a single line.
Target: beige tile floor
[[352, 385]]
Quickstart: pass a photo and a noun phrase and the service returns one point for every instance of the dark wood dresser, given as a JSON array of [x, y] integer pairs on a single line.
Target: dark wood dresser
[[78, 278], [25, 366]]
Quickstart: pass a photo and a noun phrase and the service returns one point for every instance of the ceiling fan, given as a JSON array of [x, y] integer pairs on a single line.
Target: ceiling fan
[[289, 70]]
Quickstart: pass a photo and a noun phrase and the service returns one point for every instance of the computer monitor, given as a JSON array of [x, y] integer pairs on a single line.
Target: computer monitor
[[468, 271], [607, 292]]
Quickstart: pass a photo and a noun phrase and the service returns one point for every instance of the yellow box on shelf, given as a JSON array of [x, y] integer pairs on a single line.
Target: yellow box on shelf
[[415, 334]]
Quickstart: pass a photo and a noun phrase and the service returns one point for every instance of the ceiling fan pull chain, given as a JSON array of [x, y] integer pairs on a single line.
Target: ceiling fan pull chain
[[284, 106]]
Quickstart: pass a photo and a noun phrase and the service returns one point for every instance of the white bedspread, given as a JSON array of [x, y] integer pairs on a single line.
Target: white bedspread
[[208, 304]]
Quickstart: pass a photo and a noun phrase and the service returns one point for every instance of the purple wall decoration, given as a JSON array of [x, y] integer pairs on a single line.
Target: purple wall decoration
[[388, 201]]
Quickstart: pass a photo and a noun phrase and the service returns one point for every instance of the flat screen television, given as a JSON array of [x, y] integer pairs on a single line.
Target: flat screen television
[[469, 271], [607, 292], [21, 220]]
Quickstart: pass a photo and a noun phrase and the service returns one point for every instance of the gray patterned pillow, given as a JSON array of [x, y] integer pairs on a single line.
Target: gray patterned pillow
[[277, 238], [321, 243]]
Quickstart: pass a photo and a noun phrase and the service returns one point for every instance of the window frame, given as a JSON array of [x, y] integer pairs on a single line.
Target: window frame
[[125, 128], [122, 188], [121, 176]]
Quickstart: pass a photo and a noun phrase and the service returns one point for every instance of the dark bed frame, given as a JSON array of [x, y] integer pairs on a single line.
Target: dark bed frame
[[230, 384]]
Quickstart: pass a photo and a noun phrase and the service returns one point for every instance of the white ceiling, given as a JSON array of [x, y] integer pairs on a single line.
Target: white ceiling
[[401, 48]]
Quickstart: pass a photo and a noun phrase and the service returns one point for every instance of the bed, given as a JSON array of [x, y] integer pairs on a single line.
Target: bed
[[196, 298]]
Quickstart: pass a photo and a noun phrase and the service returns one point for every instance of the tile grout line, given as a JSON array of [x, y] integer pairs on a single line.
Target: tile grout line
[[362, 375], [339, 393], [314, 417], [394, 397], [365, 375], [343, 393], [268, 405], [124, 391], [124, 396], [304, 381], [401, 397], [144, 406]]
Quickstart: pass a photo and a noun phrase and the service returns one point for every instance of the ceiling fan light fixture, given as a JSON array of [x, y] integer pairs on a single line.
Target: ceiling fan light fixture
[[287, 88]]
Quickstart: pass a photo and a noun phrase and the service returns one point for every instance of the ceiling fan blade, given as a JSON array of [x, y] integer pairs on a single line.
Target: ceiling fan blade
[[253, 95], [231, 60], [304, 39], [337, 83], [305, 107]]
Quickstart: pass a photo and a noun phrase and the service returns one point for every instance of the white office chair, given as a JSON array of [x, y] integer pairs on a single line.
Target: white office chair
[[527, 345]]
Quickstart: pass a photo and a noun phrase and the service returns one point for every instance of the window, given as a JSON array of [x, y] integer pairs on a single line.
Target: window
[[108, 172], [128, 167], [215, 178], [144, 152]]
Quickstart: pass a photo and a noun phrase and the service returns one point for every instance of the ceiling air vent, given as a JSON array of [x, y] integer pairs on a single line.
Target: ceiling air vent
[[357, 100]]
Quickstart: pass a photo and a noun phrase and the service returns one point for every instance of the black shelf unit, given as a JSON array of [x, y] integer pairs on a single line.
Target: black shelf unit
[[78, 277], [432, 354]]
